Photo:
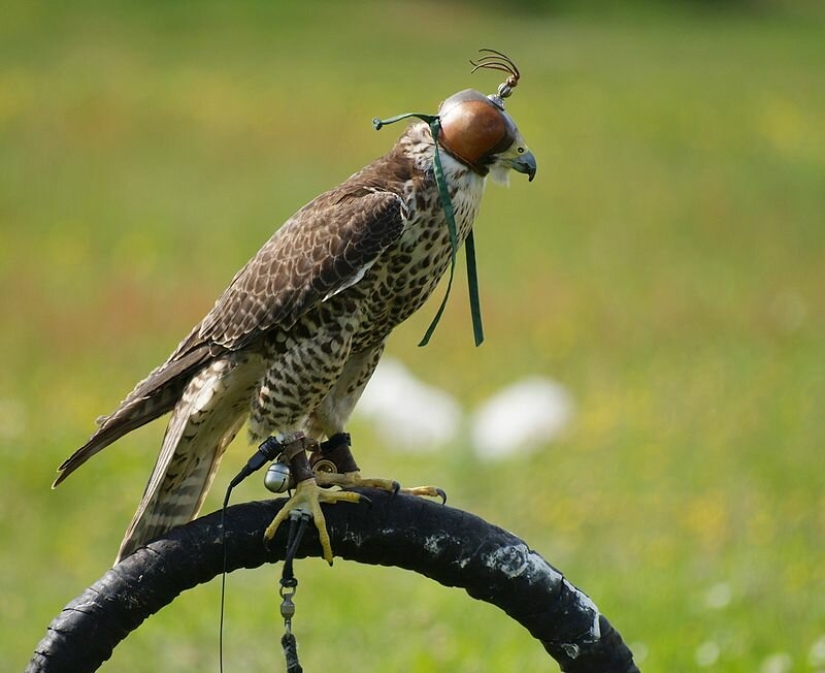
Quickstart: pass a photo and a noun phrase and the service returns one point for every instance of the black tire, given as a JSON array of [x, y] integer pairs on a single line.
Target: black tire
[[452, 547]]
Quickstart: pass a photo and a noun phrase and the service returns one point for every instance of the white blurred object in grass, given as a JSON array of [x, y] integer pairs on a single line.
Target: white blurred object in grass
[[408, 414], [640, 651], [521, 418], [718, 596], [707, 654], [816, 655], [780, 662], [12, 419]]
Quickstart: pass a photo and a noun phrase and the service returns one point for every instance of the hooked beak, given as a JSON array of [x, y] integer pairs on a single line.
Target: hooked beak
[[525, 163]]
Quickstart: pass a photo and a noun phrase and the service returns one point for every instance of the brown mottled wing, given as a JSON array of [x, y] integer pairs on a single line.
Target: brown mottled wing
[[324, 248]]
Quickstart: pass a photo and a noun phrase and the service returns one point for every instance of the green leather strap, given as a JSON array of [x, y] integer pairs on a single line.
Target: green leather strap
[[434, 122]]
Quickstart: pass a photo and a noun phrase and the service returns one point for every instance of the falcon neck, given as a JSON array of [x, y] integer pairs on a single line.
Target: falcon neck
[[459, 190]]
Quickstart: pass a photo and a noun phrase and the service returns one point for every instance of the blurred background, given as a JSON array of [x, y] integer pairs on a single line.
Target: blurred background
[[666, 270]]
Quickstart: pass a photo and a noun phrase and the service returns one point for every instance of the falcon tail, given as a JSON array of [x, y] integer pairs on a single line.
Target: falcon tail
[[156, 395], [210, 412]]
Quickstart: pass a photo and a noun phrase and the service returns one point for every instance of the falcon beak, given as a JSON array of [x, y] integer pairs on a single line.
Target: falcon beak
[[525, 163]]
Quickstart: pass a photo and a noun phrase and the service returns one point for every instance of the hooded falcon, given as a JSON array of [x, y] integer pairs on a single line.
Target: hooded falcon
[[292, 342]]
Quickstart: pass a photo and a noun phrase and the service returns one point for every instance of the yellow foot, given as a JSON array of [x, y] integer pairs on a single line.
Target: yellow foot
[[308, 497], [355, 480]]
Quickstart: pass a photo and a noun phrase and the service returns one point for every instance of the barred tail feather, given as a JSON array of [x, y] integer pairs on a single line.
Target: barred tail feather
[[211, 411], [173, 505]]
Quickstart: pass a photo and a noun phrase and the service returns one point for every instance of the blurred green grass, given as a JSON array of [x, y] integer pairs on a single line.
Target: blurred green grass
[[666, 266]]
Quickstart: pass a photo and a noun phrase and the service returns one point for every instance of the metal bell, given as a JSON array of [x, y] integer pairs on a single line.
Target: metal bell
[[277, 477]]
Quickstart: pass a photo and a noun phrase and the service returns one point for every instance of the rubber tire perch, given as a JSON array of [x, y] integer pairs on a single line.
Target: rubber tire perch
[[452, 547]]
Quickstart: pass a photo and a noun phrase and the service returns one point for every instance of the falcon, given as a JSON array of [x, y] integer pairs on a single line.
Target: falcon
[[292, 342]]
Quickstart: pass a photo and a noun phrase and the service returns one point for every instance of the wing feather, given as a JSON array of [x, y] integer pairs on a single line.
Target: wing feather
[[324, 248]]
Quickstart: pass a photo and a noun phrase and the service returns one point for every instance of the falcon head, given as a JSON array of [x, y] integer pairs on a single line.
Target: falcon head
[[476, 130], [481, 135]]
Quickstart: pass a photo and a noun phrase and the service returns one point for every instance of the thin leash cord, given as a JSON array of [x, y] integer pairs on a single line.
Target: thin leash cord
[[223, 576], [267, 451]]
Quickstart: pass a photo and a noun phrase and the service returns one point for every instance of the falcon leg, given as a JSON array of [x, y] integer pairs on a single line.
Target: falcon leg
[[334, 465], [308, 496]]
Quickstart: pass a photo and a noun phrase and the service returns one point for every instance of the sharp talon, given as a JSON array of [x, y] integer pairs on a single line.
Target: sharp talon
[[395, 488], [442, 493], [307, 503], [367, 500]]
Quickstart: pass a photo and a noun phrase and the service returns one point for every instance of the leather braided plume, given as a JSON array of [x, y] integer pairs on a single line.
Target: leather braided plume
[[495, 60]]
